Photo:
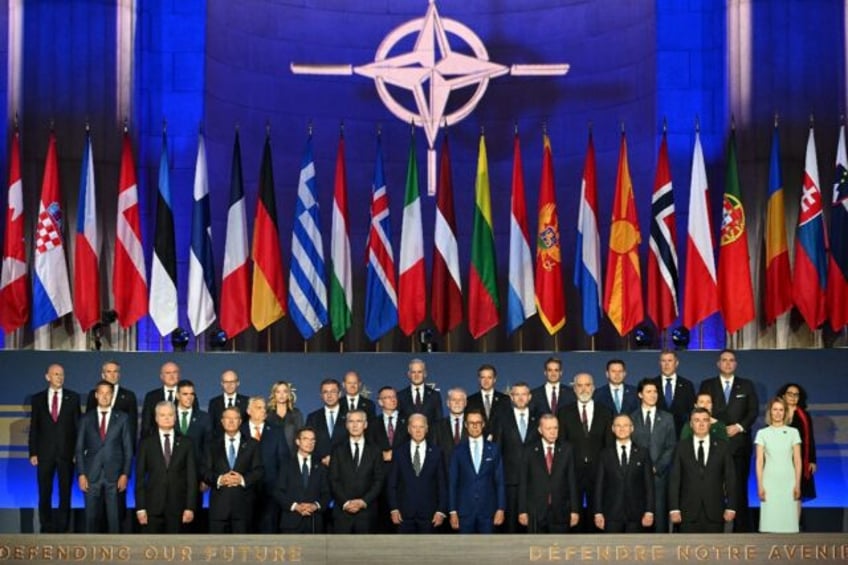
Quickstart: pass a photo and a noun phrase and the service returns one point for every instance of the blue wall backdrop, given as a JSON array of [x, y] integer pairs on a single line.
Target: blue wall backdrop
[[217, 66]]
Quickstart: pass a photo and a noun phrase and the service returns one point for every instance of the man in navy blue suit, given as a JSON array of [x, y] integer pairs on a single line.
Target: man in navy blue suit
[[274, 451], [328, 421], [476, 487], [616, 395], [418, 397], [104, 453], [417, 487], [303, 488]]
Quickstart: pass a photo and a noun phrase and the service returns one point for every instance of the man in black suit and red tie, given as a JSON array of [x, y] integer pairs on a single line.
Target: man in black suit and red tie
[[547, 490], [418, 397], [303, 488], [702, 485], [52, 440], [676, 393], [736, 405], [165, 477], [233, 472], [554, 394], [624, 487], [104, 453]]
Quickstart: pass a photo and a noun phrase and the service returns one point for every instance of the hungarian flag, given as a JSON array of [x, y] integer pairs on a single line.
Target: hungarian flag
[[129, 276], [14, 287], [809, 275], [700, 291], [341, 285], [550, 294], [623, 285], [87, 246], [235, 296], [778, 277], [482, 284], [521, 297], [837, 272], [446, 306], [736, 295], [663, 274], [412, 294], [268, 300]]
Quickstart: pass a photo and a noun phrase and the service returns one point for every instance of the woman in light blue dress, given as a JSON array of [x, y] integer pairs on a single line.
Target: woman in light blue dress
[[778, 471]]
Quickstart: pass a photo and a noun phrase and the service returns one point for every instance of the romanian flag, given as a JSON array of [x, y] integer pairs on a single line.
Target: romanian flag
[[550, 296], [623, 285], [268, 302], [778, 283], [482, 286]]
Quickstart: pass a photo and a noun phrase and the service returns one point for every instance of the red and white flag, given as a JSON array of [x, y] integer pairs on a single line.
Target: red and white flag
[[14, 287]]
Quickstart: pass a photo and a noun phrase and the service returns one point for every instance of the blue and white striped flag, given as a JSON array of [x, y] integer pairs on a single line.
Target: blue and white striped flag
[[201, 271], [307, 278]]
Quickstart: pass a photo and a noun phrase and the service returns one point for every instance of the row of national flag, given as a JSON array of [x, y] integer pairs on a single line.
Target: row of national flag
[[255, 292]]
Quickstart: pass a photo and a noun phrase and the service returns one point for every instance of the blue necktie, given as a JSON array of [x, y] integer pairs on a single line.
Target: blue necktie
[[618, 401], [727, 392], [522, 426], [231, 453], [668, 393], [476, 455]]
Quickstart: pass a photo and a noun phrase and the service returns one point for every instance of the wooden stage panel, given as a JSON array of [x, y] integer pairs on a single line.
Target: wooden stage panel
[[439, 549]]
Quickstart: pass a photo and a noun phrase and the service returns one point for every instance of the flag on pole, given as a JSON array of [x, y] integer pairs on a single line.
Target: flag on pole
[[201, 270], [14, 293], [87, 246], [163, 268], [446, 306], [837, 272], [483, 301], [268, 299], [412, 292], [51, 293], [235, 294], [341, 285], [736, 295], [129, 276], [587, 261], [810, 272], [381, 309], [550, 294], [307, 279], [700, 291], [521, 297], [663, 274], [623, 286], [778, 278]]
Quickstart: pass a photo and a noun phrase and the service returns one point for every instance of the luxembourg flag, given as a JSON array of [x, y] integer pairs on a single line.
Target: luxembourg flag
[[87, 247], [51, 293]]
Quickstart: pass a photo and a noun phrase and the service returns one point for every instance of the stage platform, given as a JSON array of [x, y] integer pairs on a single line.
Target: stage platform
[[716, 549]]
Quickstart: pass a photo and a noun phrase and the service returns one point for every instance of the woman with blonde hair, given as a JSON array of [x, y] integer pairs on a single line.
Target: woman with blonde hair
[[282, 412], [778, 471]]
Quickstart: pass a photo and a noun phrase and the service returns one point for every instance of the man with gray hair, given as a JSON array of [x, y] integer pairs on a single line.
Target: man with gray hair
[[450, 430], [418, 397]]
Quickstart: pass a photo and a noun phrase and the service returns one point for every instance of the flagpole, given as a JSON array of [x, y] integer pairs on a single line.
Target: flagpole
[[268, 340], [592, 342], [556, 341], [521, 339]]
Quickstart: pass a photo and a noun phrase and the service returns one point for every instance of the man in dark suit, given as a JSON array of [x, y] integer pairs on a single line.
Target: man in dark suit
[[653, 429], [476, 488], [328, 421], [618, 396], [702, 485], [356, 479], [624, 486], [352, 398], [303, 488], [487, 399], [513, 430], [169, 374], [547, 490], [419, 397], [450, 430], [197, 426], [587, 426], [165, 476], [677, 394], [388, 429], [274, 451], [123, 399], [52, 439], [233, 471], [104, 453], [554, 394], [229, 398], [735, 404], [417, 488]]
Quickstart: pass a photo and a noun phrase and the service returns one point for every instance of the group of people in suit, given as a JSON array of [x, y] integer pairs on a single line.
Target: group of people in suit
[[555, 458]]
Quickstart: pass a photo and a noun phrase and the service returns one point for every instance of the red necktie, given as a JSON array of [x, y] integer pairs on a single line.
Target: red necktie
[[390, 431], [553, 401], [103, 425], [456, 433], [54, 407], [549, 458]]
